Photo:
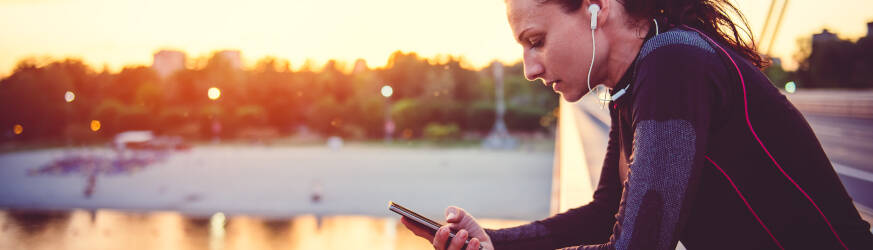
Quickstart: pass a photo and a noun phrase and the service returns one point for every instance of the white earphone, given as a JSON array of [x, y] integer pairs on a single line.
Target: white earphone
[[594, 10]]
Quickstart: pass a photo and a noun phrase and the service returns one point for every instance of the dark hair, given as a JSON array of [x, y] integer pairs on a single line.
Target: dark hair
[[709, 16]]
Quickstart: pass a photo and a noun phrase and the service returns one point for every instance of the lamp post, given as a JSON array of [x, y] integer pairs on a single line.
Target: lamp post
[[499, 137], [69, 97], [214, 94], [387, 92]]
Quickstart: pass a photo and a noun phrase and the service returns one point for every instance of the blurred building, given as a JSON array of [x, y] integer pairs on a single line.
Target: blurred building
[[838, 63], [870, 29], [866, 43], [167, 62], [232, 57], [824, 36]]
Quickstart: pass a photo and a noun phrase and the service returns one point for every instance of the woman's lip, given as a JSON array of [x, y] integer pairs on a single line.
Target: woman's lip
[[547, 83]]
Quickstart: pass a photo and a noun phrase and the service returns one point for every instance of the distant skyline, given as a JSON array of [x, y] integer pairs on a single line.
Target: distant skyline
[[119, 33]]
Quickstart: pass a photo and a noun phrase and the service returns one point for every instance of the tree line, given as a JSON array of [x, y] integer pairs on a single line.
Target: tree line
[[268, 101]]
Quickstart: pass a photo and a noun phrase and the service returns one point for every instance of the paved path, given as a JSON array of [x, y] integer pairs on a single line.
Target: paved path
[[280, 181]]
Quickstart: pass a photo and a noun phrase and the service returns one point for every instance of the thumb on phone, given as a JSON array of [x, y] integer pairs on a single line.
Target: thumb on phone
[[455, 214], [459, 219]]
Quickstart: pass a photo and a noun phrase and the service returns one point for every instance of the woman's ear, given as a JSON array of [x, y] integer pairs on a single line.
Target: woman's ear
[[599, 17]]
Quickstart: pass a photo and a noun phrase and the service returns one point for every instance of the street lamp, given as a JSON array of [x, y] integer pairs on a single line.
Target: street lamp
[[790, 87], [499, 137], [387, 92], [214, 93], [69, 96], [95, 125], [17, 129]]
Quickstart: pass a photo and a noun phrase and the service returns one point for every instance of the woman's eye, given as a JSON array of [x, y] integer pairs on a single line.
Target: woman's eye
[[535, 43]]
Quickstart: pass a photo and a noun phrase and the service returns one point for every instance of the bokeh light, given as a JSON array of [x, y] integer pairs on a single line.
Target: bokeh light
[[214, 93], [216, 230], [387, 91], [790, 87], [217, 222], [95, 125], [17, 129], [69, 96]]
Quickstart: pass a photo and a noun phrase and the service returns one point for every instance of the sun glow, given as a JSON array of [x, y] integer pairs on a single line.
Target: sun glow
[[119, 33]]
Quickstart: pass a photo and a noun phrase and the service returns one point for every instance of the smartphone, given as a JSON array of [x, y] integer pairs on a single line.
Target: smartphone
[[424, 222]]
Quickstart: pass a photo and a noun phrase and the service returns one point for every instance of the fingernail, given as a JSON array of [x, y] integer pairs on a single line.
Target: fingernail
[[451, 215]]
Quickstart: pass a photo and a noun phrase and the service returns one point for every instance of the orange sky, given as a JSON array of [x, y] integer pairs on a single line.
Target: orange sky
[[117, 33]]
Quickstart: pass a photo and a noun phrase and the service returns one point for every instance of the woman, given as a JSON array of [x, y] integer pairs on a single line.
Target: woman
[[702, 147]]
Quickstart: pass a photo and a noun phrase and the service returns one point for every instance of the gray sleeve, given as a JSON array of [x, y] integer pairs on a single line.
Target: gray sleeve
[[657, 183], [655, 191]]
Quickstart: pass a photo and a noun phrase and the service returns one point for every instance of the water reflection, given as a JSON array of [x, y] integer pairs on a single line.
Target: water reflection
[[216, 231], [108, 229]]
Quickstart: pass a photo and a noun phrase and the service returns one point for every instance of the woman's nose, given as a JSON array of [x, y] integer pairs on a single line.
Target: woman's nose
[[532, 68]]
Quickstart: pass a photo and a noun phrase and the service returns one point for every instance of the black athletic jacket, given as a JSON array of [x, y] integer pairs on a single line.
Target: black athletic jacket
[[697, 172]]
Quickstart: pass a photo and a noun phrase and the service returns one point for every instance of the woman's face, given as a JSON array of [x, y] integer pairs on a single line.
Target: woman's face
[[556, 45]]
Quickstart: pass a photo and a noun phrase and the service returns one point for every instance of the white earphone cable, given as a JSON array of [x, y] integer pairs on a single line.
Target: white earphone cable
[[591, 67]]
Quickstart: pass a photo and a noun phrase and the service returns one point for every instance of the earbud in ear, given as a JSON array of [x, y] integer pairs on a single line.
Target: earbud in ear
[[594, 9]]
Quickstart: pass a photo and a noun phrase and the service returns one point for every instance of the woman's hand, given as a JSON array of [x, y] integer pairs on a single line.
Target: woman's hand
[[460, 221]]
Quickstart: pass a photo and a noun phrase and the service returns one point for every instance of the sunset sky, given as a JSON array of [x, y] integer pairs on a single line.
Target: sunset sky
[[117, 33]]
